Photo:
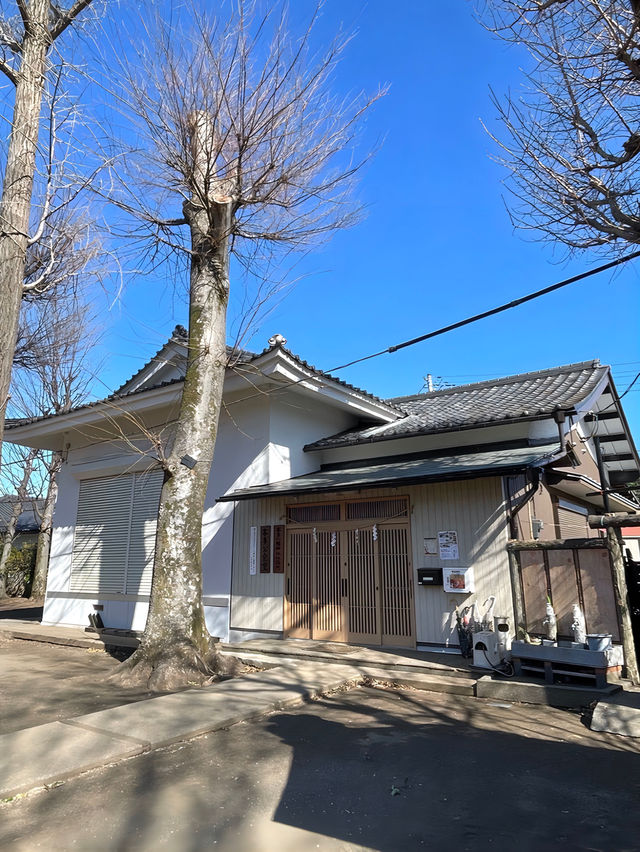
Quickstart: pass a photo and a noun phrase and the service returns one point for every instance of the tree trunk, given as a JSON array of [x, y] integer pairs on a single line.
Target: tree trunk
[[15, 203], [39, 586], [176, 647], [13, 520], [614, 541]]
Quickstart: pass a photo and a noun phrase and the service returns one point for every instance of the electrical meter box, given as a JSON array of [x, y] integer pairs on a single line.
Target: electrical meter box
[[429, 576]]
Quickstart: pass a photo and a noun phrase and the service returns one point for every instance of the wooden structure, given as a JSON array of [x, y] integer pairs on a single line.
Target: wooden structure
[[349, 573], [567, 572]]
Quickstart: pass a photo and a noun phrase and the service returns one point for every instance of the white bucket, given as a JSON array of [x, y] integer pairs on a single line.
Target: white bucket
[[599, 641]]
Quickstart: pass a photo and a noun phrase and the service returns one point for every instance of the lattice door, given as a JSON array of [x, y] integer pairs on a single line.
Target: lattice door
[[327, 616], [396, 591], [299, 585], [362, 586]]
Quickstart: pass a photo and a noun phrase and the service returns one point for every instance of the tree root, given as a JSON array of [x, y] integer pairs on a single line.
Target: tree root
[[176, 666]]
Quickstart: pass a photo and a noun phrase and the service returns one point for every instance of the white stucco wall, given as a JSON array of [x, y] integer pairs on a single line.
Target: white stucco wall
[[260, 440]]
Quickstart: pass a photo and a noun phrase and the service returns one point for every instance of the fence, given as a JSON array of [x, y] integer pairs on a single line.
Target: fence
[[568, 572]]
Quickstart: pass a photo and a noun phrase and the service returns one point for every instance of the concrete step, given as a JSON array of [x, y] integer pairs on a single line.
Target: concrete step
[[393, 663], [431, 681], [420, 680], [57, 637], [537, 692]]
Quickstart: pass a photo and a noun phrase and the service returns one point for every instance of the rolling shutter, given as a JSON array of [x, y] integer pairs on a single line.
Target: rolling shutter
[[144, 522], [115, 534]]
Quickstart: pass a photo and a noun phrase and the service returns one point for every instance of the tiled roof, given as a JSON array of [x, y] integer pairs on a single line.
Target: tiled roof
[[527, 396], [236, 356], [180, 335]]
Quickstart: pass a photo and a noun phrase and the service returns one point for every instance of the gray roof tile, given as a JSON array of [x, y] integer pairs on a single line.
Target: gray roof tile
[[521, 397]]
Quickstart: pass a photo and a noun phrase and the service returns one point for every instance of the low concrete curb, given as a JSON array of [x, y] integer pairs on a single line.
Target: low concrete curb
[[555, 695], [74, 637], [54, 752]]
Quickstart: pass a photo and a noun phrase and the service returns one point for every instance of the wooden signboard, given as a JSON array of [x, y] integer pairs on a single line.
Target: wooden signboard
[[278, 549], [265, 549]]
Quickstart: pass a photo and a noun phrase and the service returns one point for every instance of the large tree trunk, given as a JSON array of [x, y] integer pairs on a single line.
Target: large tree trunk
[[176, 647], [13, 520], [15, 203], [40, 572]]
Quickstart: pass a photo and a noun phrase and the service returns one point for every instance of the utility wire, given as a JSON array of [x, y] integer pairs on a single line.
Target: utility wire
[[492, 311]]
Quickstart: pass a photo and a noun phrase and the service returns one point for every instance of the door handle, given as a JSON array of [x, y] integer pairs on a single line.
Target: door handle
[[288, 587], [343, 583]]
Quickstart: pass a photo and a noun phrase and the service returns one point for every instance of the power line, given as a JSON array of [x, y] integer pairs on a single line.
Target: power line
[[507, 306]]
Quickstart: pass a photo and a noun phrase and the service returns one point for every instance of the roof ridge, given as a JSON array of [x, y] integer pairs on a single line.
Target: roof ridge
[[593, 363]]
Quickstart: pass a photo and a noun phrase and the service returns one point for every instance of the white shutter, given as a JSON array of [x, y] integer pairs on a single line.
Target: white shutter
[[115, 534], [102, 535], [144, 522]]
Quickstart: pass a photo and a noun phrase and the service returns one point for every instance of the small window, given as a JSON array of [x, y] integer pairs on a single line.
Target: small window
[[377, 509], [313, 513]]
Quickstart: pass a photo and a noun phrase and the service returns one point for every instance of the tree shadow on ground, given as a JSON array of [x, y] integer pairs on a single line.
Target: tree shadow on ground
[[366, 769]]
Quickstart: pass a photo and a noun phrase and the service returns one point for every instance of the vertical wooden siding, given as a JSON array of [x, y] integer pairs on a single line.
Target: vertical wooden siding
[[473, 508]]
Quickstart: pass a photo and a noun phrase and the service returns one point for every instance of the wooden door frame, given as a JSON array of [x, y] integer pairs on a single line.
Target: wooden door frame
[[342, 526]]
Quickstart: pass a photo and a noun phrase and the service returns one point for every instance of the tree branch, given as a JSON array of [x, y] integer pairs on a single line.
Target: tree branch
[[65, 18]]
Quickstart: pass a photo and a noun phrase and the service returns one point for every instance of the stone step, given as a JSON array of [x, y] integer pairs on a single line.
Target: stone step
[[421, 680], [538, 692], [432, 680]]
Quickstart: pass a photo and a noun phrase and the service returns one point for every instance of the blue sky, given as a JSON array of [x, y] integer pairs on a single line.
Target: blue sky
[[436, 245]]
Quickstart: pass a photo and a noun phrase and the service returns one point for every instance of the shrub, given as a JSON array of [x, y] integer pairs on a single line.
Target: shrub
[[19, 570]]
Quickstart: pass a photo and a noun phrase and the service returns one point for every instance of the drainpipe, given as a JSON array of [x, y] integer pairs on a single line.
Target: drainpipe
[[528, 495], [560, 415], [604, 478]]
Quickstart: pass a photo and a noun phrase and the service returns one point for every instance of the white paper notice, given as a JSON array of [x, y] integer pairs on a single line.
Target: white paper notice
[[253, 549], [448, 544]]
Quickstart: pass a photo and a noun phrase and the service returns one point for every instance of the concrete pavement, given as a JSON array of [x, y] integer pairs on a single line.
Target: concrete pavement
[[43, 755]]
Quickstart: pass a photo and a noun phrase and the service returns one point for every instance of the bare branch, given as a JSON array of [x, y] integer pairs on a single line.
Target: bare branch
[[65, 18], [572, 137]]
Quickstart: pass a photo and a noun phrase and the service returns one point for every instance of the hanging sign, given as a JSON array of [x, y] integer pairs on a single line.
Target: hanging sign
[[278, 549], [265, 549], [448, 544], [253, 549]]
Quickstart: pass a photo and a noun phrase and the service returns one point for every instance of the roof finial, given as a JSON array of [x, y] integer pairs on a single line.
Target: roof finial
[[277, 340]]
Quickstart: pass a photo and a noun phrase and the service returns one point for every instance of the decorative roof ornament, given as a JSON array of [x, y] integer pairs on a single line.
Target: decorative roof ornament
[[277, 340]]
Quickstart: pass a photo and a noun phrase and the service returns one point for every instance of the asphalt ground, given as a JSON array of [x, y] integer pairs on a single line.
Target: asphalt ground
[[42, 683], [360, 770]]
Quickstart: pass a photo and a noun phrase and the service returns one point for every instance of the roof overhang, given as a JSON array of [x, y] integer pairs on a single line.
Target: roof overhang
[[274, 372], [104, 420], [604, 418], [587, 489], [277, 372], [412, 471]]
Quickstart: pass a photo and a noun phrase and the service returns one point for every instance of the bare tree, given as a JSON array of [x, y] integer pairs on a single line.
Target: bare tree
[[56, 377], [26, 40], [22, 477], [572, 135], [248, 151]]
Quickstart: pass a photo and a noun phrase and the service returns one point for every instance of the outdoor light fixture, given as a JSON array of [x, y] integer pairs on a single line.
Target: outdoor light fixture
[[189, 461]]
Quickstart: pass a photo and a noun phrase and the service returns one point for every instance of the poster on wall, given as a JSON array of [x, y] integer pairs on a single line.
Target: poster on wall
[[430, 546], [253, 548], [448, 544], [458, 580]]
